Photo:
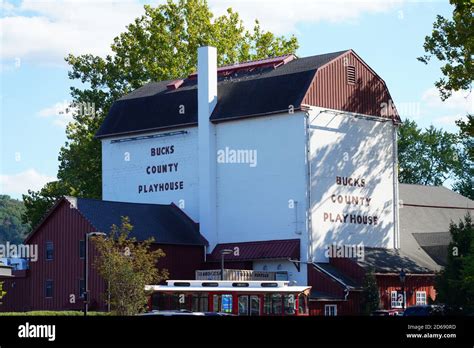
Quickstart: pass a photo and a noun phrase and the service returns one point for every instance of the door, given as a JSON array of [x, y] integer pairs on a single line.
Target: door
[[249, 305]]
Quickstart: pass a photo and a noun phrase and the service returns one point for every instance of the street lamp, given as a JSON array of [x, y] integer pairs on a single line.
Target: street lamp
[[402, 281], [86, 267], [223, 253]]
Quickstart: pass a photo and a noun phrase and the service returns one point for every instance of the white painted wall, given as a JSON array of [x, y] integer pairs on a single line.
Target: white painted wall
[[253, 202], [124, 169], [346, 146], [207, 100]]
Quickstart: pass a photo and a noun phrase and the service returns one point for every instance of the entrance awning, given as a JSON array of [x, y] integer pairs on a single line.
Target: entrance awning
[[258, 250]]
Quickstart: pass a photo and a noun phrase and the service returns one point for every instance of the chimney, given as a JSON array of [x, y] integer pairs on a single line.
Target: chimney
[[207, 100]]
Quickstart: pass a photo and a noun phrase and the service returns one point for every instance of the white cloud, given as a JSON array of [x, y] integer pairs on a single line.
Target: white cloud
[[282, 16], [449, 120], [57, 28], [46, 31], [429, 109], [445, 113], [18, 184], [460, 100]]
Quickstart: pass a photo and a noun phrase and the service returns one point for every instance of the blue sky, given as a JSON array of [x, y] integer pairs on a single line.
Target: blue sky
[[36, 35]]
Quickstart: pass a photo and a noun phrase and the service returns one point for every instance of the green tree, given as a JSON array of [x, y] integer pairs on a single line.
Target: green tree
[[38, 203], [452, 42], [2, 292], [127, 266], [464, 181], [466, 133], [159, 45], [429, 156], [11, 227], [454, 283], [370, 294]]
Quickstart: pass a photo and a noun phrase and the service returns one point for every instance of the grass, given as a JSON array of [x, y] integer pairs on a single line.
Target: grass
[[53, 313]]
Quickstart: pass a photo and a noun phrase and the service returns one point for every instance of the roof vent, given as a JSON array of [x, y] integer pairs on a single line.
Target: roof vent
[[351, 74]]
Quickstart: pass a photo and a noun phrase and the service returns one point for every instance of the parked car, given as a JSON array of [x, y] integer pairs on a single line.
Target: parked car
[[386, 312], [185, 313], [424, 311], [172, 313]]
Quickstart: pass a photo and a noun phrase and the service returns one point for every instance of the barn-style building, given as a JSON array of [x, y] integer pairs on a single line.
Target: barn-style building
[[277, 160]]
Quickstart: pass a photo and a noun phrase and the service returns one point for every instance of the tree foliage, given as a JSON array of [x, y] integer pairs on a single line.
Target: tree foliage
[[159, 45], [452, 42], [370, 294], [427, 157], [455, 284], [127, 266], [38, 203], [2, 292], [12, 228]]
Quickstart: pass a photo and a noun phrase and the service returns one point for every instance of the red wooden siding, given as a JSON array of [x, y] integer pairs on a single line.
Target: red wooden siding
[[413, 283], [330, 88], [18, 292], [181, 261], [349, 268], [65, 227], [319, 281], [345, 308], [386, 284]]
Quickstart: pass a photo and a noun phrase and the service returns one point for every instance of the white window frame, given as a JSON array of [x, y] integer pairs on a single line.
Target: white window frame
[[330, 310], [394, 303], [421, 295]]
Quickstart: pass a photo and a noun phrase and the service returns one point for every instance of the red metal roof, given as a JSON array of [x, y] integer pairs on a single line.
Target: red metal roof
[[270, 249], [274, 61]]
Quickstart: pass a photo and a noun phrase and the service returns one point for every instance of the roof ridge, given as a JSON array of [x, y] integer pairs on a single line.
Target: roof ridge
[[257, 60], [118, 202]]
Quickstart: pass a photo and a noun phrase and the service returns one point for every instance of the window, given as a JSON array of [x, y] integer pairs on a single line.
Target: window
[[215, 303], [82, 249], [272, 304], [254, 305], [226, 303], [82, 288], [200, 302], [49, 289], [161, 301], [289, 303], [276, 304], [351, 74], [330, 310], [302, 306], [396, 298], [244, 305], [179, 301], [49, 250], [421, 297]]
